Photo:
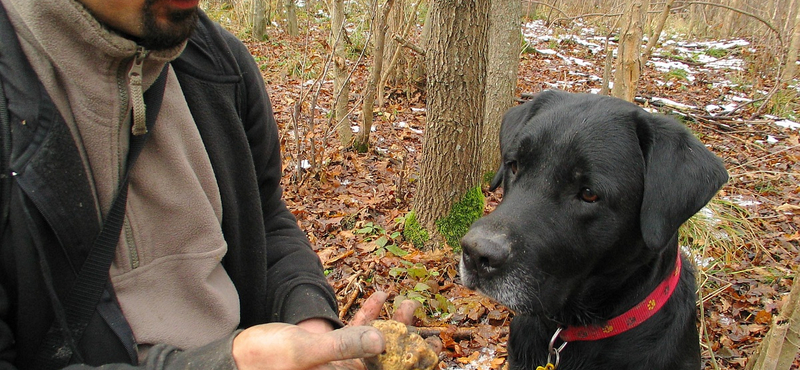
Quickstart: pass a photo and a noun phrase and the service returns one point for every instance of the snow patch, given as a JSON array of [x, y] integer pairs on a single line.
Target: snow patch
[[788, 124]]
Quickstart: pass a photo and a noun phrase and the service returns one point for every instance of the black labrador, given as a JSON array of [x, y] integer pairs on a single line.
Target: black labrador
[[595, 189]]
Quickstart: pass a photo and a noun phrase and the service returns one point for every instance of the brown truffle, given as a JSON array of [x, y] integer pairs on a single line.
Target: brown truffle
[[404, 350]]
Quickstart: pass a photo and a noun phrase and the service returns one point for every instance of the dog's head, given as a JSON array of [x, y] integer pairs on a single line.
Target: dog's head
[[594, 187]]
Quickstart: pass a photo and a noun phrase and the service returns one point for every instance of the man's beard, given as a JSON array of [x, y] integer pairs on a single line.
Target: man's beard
[[160, 36]]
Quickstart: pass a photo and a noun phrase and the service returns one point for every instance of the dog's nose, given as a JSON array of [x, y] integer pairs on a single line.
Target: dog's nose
[[484, 252]]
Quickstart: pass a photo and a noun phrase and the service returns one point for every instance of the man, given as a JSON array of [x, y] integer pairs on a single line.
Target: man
[[207, 250]]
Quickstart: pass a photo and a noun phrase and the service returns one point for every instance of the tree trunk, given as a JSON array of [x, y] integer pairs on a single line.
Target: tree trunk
[[731, 18], [456, 62], [258, 19], [396, 23], [341, 82], [653, 41], [790, 22], [362, 139], [628, 65], [501, 75], [791, 55], [417, 69], [778, 348], [291, 19]]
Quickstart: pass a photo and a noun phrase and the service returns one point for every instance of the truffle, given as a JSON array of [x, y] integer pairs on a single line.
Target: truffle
[[404, 350]]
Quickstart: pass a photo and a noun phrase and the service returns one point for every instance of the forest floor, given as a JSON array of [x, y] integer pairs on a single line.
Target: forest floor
[[352, 205]]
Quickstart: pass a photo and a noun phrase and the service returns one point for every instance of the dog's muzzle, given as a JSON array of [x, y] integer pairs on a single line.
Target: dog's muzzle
[[485, 252]]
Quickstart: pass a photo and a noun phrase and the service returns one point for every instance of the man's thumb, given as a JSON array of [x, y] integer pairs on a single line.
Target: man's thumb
[[348, 343]]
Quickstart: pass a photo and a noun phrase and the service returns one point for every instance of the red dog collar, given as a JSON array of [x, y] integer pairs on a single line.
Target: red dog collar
[[630, 319]]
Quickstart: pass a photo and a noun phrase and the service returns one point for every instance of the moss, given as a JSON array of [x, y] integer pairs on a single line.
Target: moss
[[488, 177], [413, 231], [464, 212], [360, 147]]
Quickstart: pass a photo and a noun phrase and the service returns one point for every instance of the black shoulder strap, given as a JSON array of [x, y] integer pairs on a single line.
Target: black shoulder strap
[[93, 276], [5, 128]]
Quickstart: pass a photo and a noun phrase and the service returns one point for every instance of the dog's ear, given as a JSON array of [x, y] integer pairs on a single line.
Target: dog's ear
[[681, 175], [516, 118], [498, 177]]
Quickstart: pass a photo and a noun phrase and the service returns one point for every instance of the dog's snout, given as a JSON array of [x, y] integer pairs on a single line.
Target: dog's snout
[[484, 253]]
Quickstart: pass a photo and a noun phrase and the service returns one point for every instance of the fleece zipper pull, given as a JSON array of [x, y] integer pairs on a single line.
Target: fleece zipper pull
[[139, 126]]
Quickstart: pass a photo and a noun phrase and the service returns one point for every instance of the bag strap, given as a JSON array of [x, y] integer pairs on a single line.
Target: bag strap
[[5, 129], [81, 303]]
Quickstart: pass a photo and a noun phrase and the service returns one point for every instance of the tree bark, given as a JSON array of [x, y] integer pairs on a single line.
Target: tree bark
[[628, 66], [396, 22], [729, 26], [362, 139], [653, 41], [456, 62], [791, 55], [258, 19], [391, 70], [501, 75], [778, 348], [341, 82], [291, 19]]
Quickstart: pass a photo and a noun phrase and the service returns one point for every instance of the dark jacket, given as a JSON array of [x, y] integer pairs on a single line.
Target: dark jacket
[[52, 217]]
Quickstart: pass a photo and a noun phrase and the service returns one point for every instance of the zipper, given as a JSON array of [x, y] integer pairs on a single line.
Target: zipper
[[134, 95], [139, 124]]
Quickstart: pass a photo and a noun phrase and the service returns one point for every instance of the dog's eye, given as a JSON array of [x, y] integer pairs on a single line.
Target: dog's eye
[[513, 166], [588, 196]]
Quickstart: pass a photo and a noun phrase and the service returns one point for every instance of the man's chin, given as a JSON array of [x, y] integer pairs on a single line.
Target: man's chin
[[164, 34]]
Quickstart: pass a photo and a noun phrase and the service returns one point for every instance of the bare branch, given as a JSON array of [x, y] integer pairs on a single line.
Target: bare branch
[[405, 43]]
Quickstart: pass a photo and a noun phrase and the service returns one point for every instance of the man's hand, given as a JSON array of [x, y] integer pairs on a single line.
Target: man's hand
[[306, 346]]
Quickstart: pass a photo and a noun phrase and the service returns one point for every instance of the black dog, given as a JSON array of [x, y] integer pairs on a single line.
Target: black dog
[[585, 239]]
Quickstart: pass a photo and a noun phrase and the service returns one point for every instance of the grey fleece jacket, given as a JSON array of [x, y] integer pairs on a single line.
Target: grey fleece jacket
[[167, 273], [60, 193]]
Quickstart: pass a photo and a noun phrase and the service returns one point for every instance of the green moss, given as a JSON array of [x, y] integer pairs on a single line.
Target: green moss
[[488, 177], [464, 212], [413, 231]]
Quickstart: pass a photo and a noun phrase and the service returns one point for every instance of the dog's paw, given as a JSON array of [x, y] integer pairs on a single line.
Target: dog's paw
[[404, 350]]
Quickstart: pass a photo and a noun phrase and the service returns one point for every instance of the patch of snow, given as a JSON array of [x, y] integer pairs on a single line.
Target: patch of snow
[[484, 361], [546, 51], [731, 64], [741, 201], [355, 129], [671, 103], [417, 110], [573, 60], [305, 164], [788, 124], [702, 58], [698, 261], [741, 99], [771, 139]]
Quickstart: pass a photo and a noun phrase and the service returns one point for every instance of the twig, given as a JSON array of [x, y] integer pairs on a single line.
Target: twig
[[295, 117], [460, 333], [704, 330], [395, 55], [740, 11], [748, 163], [409, 45], [333, 260], [351, 298]]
